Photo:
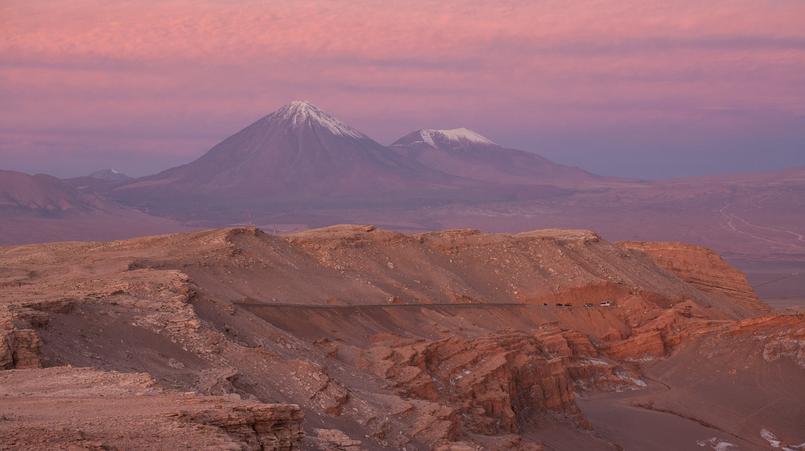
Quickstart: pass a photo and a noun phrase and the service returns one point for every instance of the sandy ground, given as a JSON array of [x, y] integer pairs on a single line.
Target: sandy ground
[[635, 428]]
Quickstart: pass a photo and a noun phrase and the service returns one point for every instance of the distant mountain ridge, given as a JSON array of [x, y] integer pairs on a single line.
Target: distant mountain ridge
[[40, 194], [301, 157], [37, 208]]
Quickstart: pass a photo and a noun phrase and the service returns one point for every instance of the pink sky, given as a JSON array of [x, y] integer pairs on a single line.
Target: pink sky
[[624, 87]]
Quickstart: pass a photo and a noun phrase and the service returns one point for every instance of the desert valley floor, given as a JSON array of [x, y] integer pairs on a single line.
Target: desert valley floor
[[353, 337]]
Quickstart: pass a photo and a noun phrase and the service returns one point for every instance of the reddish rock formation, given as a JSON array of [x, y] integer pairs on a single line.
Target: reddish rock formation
[[383, 340], [646, 345], [495, 382], [19, 346], [109, 410], [500, 382], [327, 394], [255, 426], [704, 269], [782, 337], [333, 439]]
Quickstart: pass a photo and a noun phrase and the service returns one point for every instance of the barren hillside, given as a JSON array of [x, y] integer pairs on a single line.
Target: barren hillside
[[448, 340]]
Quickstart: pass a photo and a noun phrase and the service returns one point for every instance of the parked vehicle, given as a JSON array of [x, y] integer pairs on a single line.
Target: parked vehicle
[[588, 305]]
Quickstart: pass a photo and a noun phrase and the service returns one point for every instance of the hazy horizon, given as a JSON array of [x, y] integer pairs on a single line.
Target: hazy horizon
[[73, 165]]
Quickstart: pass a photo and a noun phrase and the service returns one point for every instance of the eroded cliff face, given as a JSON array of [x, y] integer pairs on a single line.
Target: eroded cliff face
[[19, 342], [493, 383], [500, 383], [254, 426], [450, 340], [705, 270]]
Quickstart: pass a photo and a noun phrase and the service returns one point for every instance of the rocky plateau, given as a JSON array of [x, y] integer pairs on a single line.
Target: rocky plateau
[[353, 337]]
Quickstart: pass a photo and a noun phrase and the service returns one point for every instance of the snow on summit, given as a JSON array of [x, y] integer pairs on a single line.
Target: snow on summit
[[300, 112], [458, 135], [109, 175]]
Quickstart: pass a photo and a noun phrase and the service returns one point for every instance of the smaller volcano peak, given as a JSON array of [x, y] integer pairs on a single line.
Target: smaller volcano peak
[[456, 138], [455, 135]]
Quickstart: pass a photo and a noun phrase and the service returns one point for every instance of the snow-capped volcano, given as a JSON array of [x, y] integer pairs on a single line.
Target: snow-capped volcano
[[452, 138], [300, 158], [301, 113], [296, 156]]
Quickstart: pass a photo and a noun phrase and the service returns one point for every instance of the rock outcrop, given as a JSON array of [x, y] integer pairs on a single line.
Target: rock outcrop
[[704, 269], [111, 410], [498, 383], [333, 439], [455, 340], [494, 382], [255, 426], [19, 346], [644, 345]]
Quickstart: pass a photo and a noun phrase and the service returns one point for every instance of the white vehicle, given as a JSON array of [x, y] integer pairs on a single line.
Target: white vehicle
[[605, 303]]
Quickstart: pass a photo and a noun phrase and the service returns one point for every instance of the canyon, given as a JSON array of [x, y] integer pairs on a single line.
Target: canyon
[[354, 337]]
